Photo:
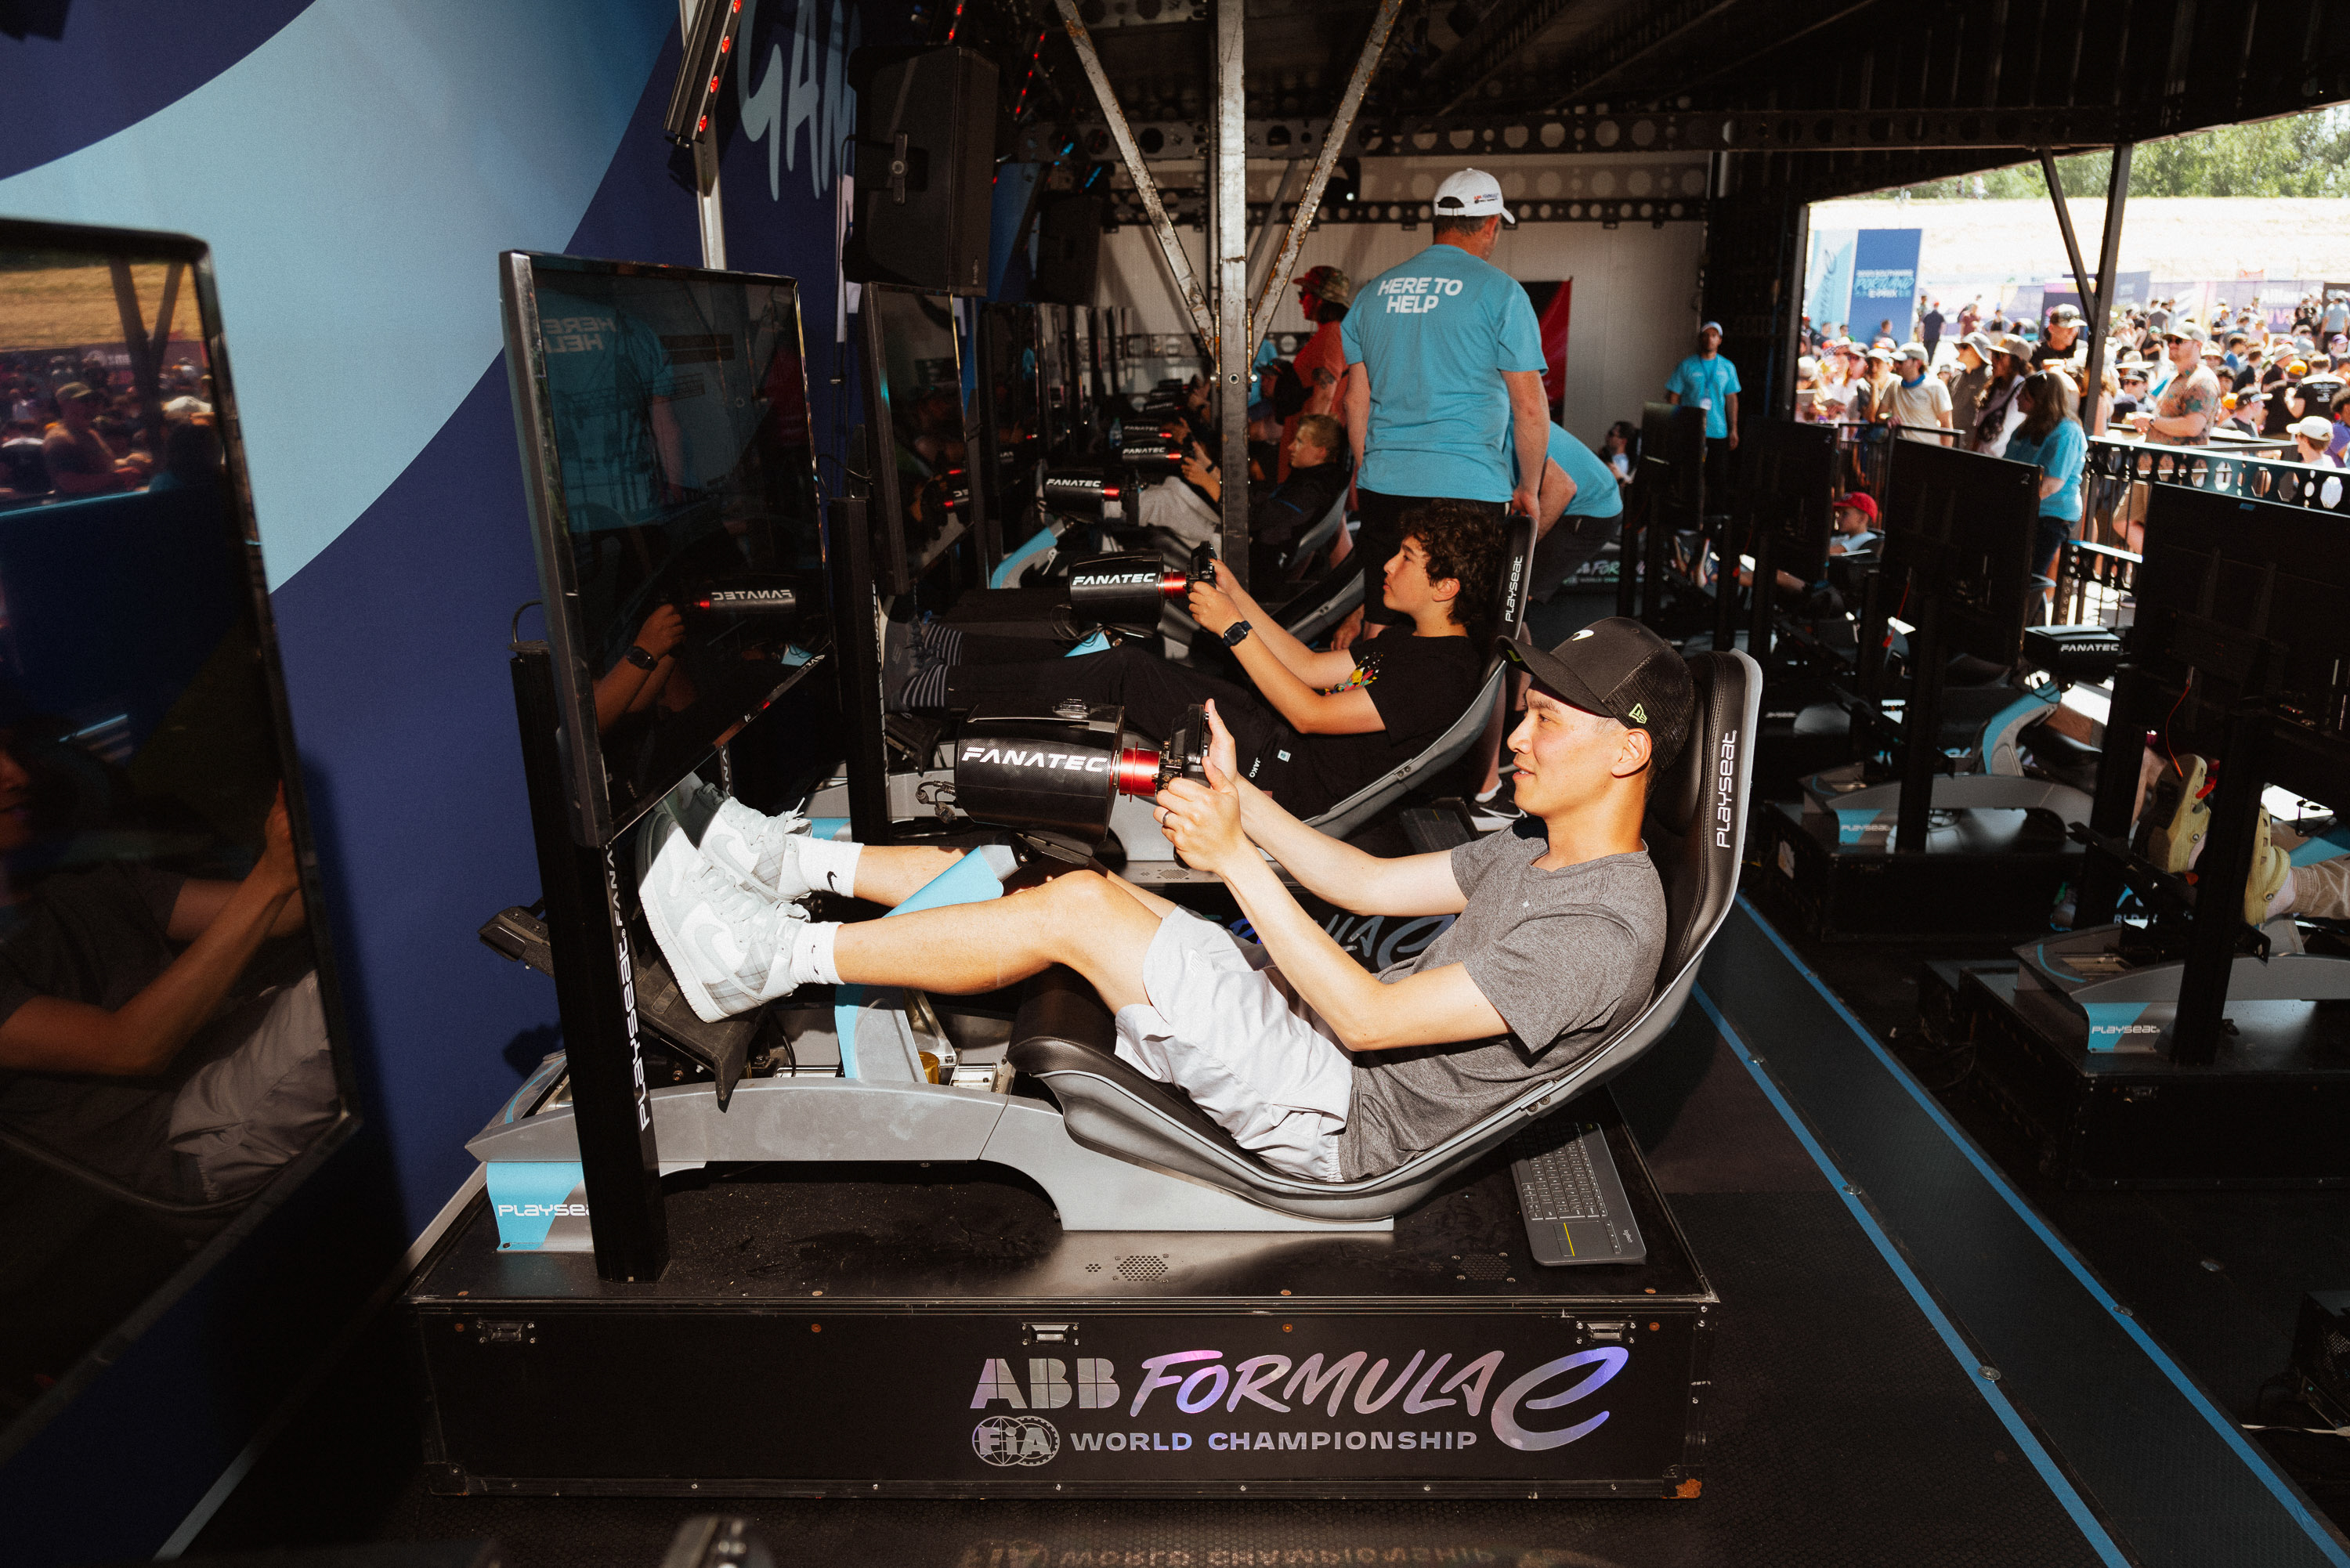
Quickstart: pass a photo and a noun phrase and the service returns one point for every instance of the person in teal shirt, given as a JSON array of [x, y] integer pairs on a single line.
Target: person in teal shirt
[[1579, 500], [1443, 393], [1709, 381], [2051, 440]]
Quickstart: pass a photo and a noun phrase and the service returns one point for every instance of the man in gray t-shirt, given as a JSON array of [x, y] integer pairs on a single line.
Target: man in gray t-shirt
[[1565, 956], [1325, 1070]]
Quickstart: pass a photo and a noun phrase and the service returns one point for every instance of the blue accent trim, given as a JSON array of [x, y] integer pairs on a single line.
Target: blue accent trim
[[833, 827], [2027, 706], [532, 1088], [2109, 1023], [970, 880], [2329, 845], [2070, 1499], [1013, 565], [1095, 642], [2220, 1422], [1852, 827], [518, 1184]]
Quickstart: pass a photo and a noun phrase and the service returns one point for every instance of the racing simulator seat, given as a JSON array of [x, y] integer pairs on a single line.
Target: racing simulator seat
[[1695, 830], [1114, 1150]]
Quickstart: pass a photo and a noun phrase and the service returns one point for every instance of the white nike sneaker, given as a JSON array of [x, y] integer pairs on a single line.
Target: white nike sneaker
[[729, 947], [761, 852]]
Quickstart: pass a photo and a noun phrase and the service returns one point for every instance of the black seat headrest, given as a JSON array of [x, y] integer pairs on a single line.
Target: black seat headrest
[[1695, 807], [1508, 606]]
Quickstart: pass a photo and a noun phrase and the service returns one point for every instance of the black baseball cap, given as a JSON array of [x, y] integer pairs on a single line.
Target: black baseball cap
[[1620, 669]]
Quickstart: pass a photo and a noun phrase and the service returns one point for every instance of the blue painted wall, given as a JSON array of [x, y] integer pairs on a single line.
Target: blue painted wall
[[357, 165]]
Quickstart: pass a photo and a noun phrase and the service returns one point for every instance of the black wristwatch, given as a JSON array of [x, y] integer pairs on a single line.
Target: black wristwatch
[[1237, 633], [639, 657]]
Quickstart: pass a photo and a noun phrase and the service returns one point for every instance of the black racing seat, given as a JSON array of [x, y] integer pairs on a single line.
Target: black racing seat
[[1696, 832], [1507, 616]]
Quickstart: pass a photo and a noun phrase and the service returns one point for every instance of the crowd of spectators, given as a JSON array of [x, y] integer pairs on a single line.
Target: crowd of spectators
[[2168, 378], [74, 427]]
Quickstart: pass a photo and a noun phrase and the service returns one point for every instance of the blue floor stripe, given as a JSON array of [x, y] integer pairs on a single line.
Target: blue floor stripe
[[2083, 1520], [2278, 1488]]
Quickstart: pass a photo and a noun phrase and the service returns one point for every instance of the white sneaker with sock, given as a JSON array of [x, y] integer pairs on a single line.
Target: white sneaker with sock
[[730, 948], [762, 853]]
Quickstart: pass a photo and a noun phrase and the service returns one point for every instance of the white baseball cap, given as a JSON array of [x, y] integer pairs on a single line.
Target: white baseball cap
[[1472, 193]]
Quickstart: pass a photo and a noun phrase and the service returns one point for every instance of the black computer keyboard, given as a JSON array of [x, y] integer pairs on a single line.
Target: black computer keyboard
[[1572, 1196]]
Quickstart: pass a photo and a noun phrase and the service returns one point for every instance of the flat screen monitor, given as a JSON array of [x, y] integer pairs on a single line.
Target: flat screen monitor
[[662, 413], [1963, 523], [919, 437], [152, 826], [1791, 480], [2282, 573], [1672, 452], [1010, 430]]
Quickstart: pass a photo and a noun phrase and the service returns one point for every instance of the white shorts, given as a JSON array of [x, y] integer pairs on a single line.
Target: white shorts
[[1222, 1025]]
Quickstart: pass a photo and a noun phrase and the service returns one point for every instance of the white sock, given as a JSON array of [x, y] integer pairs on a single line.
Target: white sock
[[811, 954], [829, 864]]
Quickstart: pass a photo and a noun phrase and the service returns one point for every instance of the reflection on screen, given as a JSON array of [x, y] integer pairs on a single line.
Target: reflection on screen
[[678, 407], [164, 1044], [1010, 343], [923, 384]]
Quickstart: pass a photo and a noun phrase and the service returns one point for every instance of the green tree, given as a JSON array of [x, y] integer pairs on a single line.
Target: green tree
[[2299, 155]]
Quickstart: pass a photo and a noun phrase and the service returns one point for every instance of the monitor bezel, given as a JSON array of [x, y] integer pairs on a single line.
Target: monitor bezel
[[596, 821], [167, 245], [899, 567]]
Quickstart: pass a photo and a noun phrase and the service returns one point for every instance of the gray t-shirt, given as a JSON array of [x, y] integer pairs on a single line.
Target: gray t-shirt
[[1565, 956]]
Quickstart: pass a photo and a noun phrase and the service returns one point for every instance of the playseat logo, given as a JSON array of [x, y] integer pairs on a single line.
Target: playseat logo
[[540, 1211], [628, 994], [1012, 757], [1725, 791]]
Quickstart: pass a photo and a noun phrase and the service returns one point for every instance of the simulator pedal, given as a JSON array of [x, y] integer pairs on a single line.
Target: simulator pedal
[[1573, 1197]]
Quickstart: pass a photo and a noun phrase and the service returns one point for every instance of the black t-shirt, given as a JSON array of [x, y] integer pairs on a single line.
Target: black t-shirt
[[2276, 416], [96, 937], [1279, 513], [1419, 684]]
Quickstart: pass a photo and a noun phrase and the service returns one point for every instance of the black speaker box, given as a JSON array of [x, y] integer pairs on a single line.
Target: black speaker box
[[1068, 251], [922, 202]]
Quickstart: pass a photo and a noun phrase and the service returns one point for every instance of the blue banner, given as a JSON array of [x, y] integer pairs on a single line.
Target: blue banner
[[1827, 287], [1885, 282]]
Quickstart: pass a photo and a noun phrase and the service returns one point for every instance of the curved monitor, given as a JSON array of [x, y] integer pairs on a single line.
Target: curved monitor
[[171, 1050], [662, 413]]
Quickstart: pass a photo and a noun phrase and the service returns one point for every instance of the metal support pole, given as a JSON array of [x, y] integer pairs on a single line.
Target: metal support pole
[[1228, 250], [849, 571], [2065, 222], [2101, 309], [1921, 727], [2201, 1024], [1171, 246], [1342, 126], [708, 213], [620, 1155]]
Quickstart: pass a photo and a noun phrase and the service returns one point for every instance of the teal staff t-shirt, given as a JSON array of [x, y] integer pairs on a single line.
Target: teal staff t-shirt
[[1707, 384], [1436, 333], [2058, 455], [1596, 493]]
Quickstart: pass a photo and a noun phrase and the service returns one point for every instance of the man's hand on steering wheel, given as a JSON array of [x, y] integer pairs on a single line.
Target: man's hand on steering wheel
[[1211, 607], [1203, 821]]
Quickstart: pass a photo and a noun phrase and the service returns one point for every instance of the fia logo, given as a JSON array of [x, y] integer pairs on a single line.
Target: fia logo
[[1005, 1441]]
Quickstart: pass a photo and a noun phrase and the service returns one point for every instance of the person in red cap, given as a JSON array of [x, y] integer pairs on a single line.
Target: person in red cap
[[1855, 524]]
